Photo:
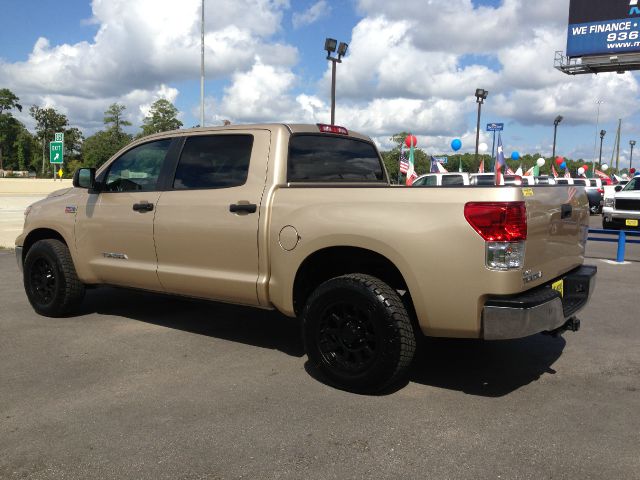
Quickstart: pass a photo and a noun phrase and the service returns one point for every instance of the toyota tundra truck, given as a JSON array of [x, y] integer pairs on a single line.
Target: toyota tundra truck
[[303, 219]]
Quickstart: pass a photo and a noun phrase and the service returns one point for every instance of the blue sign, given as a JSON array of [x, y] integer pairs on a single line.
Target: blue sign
[[495, 127], [599, 27], [443, 160]]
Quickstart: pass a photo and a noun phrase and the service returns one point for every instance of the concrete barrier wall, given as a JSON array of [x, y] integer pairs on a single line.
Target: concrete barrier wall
[[31, 186]]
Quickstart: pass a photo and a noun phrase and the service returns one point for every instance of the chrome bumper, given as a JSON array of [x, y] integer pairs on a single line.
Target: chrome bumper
[[19, 257], [540, 310]]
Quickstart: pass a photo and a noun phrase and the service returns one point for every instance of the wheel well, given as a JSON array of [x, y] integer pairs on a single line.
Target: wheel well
[[335, 261], [39, 234]]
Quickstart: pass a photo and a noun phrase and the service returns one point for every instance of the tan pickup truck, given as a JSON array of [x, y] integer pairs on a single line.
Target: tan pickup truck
[[302, 218]]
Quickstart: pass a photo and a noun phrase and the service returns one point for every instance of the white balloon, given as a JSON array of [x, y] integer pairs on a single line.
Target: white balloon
[[625, 176], [581, 171], [604, 167], [540, 162], [483, 147]]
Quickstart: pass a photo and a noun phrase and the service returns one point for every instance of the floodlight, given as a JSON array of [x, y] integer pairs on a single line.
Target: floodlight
[[330, 45]]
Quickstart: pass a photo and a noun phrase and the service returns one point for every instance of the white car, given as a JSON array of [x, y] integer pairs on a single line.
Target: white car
[[622, 210], [442, 179]]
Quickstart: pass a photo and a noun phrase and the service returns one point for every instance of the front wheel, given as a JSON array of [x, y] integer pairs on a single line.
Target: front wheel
[[50, 279], [358, 334]]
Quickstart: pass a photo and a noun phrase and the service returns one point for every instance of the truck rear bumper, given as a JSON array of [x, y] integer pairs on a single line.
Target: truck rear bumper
[[542, 309]]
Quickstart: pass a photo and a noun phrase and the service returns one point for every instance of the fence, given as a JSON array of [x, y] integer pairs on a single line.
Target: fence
[[621, 240]]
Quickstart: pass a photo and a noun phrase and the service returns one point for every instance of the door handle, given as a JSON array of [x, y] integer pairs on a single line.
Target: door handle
[[243, 208], [143, 207]]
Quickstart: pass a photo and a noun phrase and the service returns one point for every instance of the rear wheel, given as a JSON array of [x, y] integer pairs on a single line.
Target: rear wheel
[[358, 334], [50, 279]]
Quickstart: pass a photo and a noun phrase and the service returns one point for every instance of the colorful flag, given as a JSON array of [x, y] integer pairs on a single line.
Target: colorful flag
[[411, 172], [553, 170], [567, 174], [529, 173], [499, 161], [434, 165], [481, 167], [404, 164], [441, 169], [508, 171], [519, 171], [460, 166], [602, 175]]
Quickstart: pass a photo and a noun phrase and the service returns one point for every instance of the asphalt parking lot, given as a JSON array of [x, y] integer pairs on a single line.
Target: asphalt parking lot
[[148, 386]]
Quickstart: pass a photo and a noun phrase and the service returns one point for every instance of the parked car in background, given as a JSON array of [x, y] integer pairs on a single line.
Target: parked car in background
[[486, 179], [622, 210], [543, 180], [441, 179], [594, 193]]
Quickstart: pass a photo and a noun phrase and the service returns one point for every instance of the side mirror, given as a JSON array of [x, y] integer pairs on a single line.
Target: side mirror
[[85, 178], [618, 188]]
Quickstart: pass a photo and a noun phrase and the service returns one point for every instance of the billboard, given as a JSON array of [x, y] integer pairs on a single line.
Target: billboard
[[603, 27]]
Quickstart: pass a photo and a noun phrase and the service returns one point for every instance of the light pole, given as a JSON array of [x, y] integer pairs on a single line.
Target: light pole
[[330, 47], [602, 134], [632, 143], [598, 102], [556, 121], [202, 66], [481, 96]]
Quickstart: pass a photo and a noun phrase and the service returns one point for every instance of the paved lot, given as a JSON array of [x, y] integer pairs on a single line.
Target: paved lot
[[146, 386]]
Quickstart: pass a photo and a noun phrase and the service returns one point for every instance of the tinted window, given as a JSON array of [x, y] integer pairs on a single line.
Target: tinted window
[[138, 169], [562, 181], [634, 184], [428, 180], [323, 158], [593, 182], [214, 161], [452, 180], [542, 181], [579, 181], [485, 180]]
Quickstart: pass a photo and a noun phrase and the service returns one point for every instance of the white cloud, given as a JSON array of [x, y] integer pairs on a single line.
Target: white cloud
[[314, 13]]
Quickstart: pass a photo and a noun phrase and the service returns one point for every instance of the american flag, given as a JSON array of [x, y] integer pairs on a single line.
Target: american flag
[[553, 170], [508, 171], [567, 174], [404, 164], [434, 165], [499, 161], [481, 167], [602, 175]]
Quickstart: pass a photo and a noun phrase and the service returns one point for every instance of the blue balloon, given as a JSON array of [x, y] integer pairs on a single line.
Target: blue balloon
[[563, 165], [515, 156], [456, 144]]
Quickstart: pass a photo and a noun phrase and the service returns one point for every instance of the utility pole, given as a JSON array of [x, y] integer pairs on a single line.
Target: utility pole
[[202, 67]]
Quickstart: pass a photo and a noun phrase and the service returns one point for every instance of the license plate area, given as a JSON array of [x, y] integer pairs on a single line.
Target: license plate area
[[631, 222]]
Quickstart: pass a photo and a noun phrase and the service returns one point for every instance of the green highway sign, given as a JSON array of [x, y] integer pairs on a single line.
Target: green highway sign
[[56, 152], [59, 137]]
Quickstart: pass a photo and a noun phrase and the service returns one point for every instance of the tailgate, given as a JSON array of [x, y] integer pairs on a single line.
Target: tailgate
[[557, 228]]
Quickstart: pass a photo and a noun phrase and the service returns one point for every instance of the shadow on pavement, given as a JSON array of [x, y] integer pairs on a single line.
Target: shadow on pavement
[[252, 326], [490, 369]]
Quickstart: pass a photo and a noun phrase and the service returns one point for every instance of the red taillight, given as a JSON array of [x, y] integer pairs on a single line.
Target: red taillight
[[498, 221], [332, 129]]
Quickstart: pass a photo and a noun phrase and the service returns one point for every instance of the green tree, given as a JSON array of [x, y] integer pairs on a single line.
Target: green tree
[[163, 116], [113, 118], [9, 126], [100, 146], [48, 122]]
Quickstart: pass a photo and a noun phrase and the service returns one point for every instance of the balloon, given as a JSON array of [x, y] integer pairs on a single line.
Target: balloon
[[456, 144], [540, 162], [586, 167], [563, 165], [632, 171], [559, 160], [409, 140], [625, 176], [581, 171], [604, 167], [483, 147], [515, 156]]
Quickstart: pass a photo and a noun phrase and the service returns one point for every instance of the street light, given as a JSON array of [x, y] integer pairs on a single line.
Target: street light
[[633, 144], [481, 96], [602, 134], [557, 120], [330, 47]]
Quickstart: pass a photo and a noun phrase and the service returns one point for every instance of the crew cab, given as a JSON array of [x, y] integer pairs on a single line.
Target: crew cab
[[303, 219]]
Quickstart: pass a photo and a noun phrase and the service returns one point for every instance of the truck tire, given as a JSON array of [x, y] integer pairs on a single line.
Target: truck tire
[[50, 279], [358, 334]]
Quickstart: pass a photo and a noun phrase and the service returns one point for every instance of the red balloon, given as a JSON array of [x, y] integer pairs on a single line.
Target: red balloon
[[586, 167], [559, 160], [411, 139], [632, 171]]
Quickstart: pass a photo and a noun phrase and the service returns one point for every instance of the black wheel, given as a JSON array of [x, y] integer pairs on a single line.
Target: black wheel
[[50, 279], [357, 333]]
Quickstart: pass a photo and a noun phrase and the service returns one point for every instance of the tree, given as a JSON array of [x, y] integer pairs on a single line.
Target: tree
[[113, 118], [163, 116], [9, 126], [48, 122], [99, 147]]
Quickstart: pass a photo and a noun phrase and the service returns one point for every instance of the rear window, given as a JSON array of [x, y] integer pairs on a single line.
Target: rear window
[[593, 182], [562, 181], [579, 181], [452, 180], [326, 158], [485, 180]]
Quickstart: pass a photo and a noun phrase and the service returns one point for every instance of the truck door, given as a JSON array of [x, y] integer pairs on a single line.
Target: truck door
[[206, 225], [114, 229]]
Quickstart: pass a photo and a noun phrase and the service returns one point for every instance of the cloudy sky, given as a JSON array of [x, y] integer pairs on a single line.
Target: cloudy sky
[[412, 65]]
